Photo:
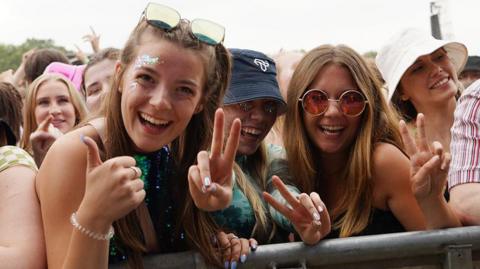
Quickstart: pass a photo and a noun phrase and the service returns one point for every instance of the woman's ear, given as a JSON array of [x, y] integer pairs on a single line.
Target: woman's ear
[[118, 70]]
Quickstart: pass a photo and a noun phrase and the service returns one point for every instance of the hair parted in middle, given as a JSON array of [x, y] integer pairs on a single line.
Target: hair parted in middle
[[29, 121], [378, 124], [197, 225]]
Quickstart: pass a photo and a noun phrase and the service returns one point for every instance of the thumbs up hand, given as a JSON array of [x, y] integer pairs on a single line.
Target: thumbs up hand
[[112, 188]]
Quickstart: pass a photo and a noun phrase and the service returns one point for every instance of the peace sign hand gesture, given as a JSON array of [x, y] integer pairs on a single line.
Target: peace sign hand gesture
[[307, 213], [210, 181], [429, 166]]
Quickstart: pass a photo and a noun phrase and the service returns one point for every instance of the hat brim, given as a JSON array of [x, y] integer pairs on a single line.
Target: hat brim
[[456, 51], [254, 91]]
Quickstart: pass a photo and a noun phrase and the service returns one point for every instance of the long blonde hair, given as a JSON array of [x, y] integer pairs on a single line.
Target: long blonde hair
[[378, 124], [29, 121], [198, 225]]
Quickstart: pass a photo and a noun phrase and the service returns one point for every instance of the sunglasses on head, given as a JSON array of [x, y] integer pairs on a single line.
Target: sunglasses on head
[[315, 102], [167, 18]]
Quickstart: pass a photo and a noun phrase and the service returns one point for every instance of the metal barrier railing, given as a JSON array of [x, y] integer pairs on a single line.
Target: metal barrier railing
[[455, 248]]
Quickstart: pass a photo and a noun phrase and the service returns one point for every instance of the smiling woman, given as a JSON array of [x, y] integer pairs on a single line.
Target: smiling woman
[[422, 77], [53, 107]]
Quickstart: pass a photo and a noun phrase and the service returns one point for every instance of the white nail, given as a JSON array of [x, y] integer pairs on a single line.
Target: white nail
[[320, 209], [207, 181], [316, 216]]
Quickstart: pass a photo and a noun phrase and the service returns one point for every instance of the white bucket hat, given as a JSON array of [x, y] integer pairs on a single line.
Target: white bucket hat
[[404, 48]]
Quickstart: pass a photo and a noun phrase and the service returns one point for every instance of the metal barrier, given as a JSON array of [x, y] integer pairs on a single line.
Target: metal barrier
[[455, 248]]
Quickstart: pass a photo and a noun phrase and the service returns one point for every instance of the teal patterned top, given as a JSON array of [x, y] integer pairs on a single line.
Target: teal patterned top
[[239, 217]]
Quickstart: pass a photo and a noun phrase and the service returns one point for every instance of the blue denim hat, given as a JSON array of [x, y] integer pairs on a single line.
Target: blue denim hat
[[254, 76]]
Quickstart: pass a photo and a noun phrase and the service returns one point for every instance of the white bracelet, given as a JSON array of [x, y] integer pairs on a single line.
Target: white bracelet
[[94, 235]]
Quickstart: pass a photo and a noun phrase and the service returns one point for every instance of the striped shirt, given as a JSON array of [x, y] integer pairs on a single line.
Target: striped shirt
[[465, 144]]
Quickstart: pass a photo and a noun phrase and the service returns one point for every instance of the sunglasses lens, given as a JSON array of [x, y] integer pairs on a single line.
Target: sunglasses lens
[[315, 102], [162, 16], [208, 31], [352, 103]]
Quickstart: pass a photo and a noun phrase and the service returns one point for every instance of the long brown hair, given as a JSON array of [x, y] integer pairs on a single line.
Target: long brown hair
[[378, 124], [197, 225]]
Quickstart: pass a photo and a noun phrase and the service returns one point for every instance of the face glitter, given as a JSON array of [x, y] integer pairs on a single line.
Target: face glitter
[[145, 59]]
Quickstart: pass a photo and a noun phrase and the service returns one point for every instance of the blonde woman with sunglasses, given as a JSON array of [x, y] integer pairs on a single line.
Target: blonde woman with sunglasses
[[117, 188], [343, 142]]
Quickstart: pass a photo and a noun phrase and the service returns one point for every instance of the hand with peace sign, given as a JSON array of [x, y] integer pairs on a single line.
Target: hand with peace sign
[[42, 139], [93, 39], [112, 189], [307, 213], [429, 165], [210, 180], [429, 170]]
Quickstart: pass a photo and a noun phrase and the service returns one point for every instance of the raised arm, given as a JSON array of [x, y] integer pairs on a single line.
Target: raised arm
[[211, 180], [428, 171], [73, 179]]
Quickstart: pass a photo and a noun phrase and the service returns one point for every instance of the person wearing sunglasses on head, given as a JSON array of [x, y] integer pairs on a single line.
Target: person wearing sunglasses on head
[[342, 141], [117, 188], [20, 219], [421, 75]]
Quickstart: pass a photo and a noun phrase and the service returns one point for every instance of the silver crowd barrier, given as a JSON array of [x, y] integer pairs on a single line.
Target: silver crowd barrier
[[455, 248]]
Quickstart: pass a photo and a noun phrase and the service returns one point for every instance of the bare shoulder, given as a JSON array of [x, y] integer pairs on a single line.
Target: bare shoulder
[[387, 157], [391, 170]]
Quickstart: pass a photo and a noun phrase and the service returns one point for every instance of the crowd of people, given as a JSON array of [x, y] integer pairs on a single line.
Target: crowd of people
[[176, 143]]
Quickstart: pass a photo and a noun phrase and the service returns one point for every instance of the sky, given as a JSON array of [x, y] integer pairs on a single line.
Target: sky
[[264, 25]]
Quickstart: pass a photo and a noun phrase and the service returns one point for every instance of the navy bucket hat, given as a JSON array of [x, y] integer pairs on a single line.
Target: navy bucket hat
[[254, 76]]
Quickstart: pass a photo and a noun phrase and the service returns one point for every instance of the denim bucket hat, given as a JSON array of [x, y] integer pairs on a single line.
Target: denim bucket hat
[[254, 76]]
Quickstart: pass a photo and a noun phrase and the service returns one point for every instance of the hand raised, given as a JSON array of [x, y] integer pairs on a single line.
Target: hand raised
[[428, 166], [41, 140], [112, 188], [94, 40], [210, 181], [307, 213]]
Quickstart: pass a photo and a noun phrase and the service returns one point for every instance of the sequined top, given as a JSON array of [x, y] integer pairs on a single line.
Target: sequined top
[[13, 156], [239, 217], [156, 171]]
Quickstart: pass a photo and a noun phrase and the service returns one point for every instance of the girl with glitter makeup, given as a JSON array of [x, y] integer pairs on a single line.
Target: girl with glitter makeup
[[129, 168]]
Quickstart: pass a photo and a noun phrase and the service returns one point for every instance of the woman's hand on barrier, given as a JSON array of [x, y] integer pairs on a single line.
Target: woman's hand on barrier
[[233, 249], [428, 165], [112, 188], [307, 213], [210, 181]]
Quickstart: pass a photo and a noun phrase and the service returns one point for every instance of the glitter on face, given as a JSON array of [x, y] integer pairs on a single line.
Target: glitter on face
[[145, 59]]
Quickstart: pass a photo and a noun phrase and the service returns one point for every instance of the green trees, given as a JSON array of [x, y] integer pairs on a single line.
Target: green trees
[[11, 55]]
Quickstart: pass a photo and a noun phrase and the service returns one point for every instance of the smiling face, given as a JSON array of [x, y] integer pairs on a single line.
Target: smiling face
[[257, 117], [430, 80], [98, 82], [161, 91], [54, 99], [332, 132]]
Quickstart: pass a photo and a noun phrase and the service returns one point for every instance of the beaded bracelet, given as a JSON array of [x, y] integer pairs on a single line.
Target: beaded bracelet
[[94, 235]]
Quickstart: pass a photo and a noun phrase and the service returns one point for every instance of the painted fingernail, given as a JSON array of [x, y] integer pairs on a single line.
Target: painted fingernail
[[243, 258], [320, 209], [207, 181], [317, 223], [213, 188], [82, 138], [253, 246], [233, 265], [204, 190], [316, 216], [227, 264]]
